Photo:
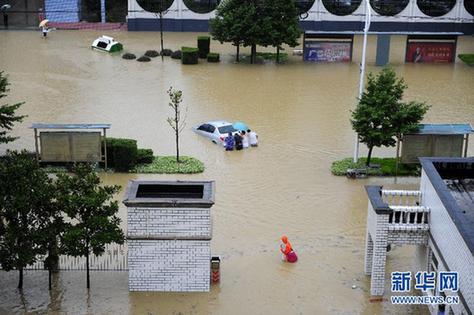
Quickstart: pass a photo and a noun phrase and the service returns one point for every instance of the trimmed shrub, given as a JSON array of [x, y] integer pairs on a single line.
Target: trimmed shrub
[[129, 56], [213, 57], [189, 55], [151, 53], [121, 154], [144, 59], [144, 156], [204, 44], [166, 52], [176, 54]]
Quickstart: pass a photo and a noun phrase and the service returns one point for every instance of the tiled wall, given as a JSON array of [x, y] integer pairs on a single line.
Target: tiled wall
[[452, 247], [169, 265], [169, 249]]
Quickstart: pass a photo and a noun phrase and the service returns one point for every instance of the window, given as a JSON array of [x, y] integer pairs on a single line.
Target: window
[[201, 6], [436, 7], [341, 7], [226, 129], [469, 5], [207, 128], [155, 6], [211, 128], [388, 7], [102, 45], [304, 5]]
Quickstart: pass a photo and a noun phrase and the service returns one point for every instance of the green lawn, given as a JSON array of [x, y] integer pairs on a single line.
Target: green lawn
[[467, 58], [168, 165], [387, 167]]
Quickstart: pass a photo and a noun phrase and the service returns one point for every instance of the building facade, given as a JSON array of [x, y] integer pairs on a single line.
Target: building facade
[[319, 15], [438, 218]]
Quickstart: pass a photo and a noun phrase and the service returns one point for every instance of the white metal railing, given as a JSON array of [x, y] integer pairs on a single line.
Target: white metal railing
[[401, 197], [409, 218]]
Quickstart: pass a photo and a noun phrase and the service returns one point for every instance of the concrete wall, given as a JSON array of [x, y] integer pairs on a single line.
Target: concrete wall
[[452, 247]]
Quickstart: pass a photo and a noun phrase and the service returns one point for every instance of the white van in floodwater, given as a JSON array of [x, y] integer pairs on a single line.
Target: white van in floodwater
[[107, 43]]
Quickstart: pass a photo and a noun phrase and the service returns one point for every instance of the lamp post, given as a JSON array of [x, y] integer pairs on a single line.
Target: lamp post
[[368, 15]]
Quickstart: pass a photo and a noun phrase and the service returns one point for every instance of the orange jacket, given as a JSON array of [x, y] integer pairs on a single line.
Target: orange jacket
[[285, 248]]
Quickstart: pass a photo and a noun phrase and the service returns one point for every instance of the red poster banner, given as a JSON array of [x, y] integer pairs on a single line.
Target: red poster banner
[[426, 52]]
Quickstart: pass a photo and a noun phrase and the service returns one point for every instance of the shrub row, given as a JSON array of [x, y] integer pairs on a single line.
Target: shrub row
[[213, 57], [204, 44], [123, 154], [189, 55]]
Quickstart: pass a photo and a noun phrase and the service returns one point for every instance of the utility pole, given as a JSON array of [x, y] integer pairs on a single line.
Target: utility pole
[[368, 16]]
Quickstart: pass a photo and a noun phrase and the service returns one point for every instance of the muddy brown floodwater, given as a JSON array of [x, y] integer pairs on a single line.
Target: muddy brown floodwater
[[300, 111]]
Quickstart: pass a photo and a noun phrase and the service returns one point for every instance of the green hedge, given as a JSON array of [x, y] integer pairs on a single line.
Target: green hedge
[[144, 156], [121, 154], [467, 58], [189, 55], [213, 57], [387, 167], [204, 44]]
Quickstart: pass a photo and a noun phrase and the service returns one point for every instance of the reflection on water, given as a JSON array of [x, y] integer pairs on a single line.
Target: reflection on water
[[301, 112]]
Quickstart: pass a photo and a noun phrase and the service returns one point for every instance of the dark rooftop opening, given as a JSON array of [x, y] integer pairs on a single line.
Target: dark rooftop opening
[[170, 191], [455, 170]]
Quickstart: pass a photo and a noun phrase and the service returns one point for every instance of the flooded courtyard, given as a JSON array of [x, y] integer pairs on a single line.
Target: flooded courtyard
[[300, 111]]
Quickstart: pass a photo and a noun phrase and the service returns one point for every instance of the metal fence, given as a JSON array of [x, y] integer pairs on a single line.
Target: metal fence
[[113, 259]]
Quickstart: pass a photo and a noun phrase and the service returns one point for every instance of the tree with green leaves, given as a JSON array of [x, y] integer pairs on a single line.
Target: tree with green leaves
[[282, 24], [256, 22], [52, 227], [91, 213], [7, 112], [26, 192], [231, 22], [177, 122], [381, 115]]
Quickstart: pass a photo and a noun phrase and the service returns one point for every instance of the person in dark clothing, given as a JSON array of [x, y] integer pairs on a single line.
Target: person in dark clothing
[[238, 141], [229, 142], [5, 19]]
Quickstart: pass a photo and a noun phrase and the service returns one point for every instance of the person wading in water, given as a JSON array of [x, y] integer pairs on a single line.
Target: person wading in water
[[287, 250]]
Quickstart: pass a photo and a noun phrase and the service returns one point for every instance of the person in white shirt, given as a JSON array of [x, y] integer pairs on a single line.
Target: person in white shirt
[[245, 139], [253, 138]]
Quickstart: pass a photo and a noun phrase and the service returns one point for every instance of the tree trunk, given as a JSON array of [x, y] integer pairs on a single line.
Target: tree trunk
[[253, 53], [49, 278], [20, 281], [87, 268], [237, 57], [278, 55], [161, 32], [177, 133], [369, 156]]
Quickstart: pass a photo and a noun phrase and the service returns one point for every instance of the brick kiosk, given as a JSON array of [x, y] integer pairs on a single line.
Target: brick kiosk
[[169, 235]]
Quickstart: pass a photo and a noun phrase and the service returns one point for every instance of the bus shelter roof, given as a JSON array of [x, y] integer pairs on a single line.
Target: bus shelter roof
[[70, 126]]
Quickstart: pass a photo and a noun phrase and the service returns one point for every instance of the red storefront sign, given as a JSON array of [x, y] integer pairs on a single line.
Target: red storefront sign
[[426, 52]]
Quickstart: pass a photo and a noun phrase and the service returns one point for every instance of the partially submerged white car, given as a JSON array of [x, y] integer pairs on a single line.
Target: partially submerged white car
[[107, 43], [217, 130]]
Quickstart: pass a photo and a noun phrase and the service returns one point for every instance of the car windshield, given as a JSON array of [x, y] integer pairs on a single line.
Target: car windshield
[[226, 129]]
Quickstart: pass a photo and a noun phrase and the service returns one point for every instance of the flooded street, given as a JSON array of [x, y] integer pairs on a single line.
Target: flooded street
[[300, 111]]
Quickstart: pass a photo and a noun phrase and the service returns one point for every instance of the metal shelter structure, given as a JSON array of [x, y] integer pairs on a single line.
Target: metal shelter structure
[[435, 140], [71, 142]]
